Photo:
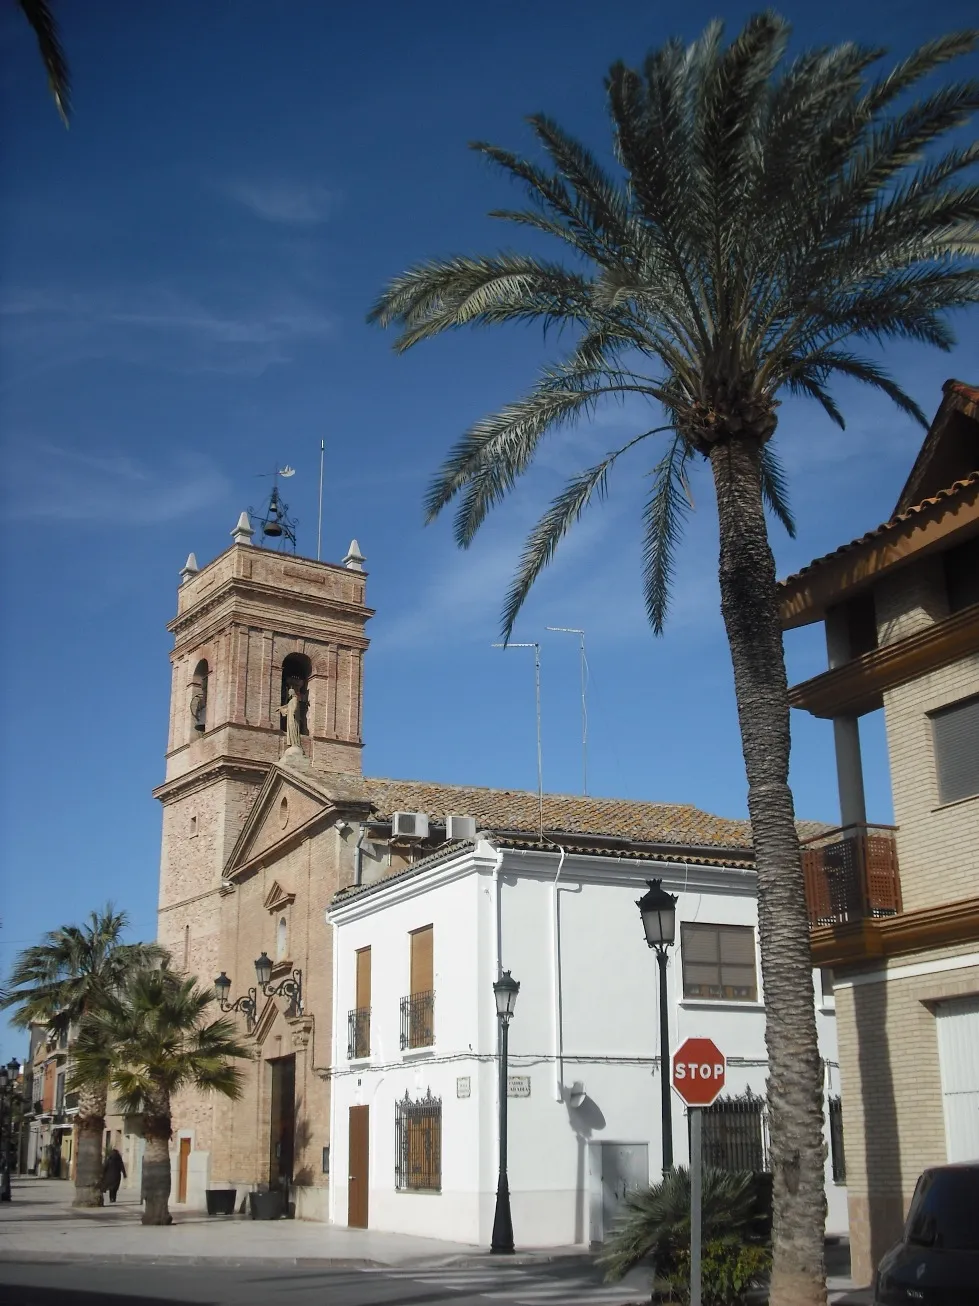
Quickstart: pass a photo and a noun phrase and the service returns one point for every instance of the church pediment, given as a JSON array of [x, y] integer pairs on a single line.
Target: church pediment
[[292, 803], [277, 897]]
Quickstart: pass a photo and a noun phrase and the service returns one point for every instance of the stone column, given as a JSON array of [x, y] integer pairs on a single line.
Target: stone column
[[846, 730]]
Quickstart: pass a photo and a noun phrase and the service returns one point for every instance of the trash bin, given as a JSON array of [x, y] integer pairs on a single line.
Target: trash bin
[[220, 1201], [265, 1206]]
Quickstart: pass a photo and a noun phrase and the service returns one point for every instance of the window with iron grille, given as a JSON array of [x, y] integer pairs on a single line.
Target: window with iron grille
[[418, 1144], [719, 962], [418, 1021], [735, 1134], [358, 1033], [837, 1154]]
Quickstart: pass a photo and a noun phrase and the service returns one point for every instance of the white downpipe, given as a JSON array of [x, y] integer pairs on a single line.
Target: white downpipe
[[332, 1191], [556, 992], [498, 920]]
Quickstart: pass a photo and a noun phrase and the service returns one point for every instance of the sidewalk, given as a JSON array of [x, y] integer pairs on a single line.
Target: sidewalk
[[40, 1223]]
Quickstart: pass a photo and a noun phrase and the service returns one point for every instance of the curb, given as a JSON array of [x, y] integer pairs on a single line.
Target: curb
[[225, 1262]]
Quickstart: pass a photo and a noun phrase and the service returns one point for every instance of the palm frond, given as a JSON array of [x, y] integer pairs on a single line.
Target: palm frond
[[564, 511], [666, 509], [775, 488], [41, 19]]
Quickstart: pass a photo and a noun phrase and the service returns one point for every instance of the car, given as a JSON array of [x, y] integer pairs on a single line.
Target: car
[[936, 1263]]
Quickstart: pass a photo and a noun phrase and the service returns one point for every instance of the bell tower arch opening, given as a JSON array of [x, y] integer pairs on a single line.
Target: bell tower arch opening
[[198, 696], [296, 671]]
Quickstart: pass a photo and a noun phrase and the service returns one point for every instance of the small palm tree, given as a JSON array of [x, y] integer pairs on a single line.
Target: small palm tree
[[41, 19], [76, 970], [762, 217], [149, 1043]]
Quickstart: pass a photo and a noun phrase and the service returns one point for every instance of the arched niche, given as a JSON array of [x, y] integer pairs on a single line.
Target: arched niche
[[296, 670]]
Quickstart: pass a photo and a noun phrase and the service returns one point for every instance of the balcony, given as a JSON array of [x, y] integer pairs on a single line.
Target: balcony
[[358, 1033], [851, 874], [417, 1021]]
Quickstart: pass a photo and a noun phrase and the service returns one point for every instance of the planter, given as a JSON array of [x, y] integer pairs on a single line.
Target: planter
[[220, 1201], [265, 1206]]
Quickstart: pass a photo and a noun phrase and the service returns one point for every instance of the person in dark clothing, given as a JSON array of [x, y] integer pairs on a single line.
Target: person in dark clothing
[[113, 1173]]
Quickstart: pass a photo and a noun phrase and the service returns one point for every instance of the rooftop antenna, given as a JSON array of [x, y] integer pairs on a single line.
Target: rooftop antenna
[[319, 518], [540, 763], [275, 522], [573, 630]]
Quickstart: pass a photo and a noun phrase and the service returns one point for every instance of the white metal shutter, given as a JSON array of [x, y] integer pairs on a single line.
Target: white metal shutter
[[958, 1051]]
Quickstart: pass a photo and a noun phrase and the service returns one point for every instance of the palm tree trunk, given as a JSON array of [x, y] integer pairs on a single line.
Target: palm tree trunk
[[749, 604], [156, 1166], [91, 1125]]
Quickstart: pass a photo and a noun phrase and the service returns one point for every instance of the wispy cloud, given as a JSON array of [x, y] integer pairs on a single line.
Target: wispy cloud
[[56, 483], [159, 327], [293, 204]]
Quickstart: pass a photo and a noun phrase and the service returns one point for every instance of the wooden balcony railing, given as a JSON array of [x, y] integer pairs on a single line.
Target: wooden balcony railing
[[851, 874]]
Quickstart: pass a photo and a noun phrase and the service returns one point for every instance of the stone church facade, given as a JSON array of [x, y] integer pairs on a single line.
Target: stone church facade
[[260, 836]]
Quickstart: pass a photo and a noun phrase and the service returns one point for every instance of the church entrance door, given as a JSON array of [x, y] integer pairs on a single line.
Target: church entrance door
[[282, 1138]]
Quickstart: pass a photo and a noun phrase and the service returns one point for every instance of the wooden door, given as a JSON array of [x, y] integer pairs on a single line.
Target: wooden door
[[358, 1166], [182, 1169], [282, 1132], [422, 961], [361, 1040]]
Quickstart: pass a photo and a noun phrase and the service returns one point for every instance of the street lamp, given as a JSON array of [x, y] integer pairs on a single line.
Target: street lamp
[[8, 1078], [291, 987], [505, 992], [658, 911]]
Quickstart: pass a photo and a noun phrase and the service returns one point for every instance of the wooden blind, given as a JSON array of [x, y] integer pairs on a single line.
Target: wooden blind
[[422, 961], [955, 732], [363, 1000], [719, 962]]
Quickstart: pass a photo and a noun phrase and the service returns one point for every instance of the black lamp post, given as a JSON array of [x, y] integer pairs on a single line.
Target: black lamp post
[[658, 911], [8, 1078], [291, 987], [505, 992]]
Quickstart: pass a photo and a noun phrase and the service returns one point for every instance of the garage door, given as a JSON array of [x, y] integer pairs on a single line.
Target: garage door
[[958, 1049]]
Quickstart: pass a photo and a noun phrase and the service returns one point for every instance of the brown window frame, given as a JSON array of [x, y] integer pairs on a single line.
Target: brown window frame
[[722, 989]]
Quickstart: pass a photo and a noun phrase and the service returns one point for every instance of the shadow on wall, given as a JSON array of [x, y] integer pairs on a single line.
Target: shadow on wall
[[303, 1133], [585, 1119], [883, 1217]]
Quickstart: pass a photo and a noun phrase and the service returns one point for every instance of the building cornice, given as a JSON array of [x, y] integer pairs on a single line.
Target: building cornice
[[219, 768], [858, 686]]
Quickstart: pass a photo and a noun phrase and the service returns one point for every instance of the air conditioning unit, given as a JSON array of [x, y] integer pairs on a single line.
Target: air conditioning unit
[[409, 826], [460, 827]]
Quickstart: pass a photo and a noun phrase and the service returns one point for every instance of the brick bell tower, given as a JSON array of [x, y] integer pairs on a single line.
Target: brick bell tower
[[249, 625]]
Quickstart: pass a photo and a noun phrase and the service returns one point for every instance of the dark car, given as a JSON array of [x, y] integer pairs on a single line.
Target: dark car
[[936, 1263]]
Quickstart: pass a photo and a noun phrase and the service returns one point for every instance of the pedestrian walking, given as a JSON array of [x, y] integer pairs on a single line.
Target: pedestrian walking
[[113, 1173]]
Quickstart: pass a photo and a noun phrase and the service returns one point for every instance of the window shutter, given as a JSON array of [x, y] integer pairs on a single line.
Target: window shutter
[[363, 979], [955, 731], [700, 944], [738, 946], [422, 961]]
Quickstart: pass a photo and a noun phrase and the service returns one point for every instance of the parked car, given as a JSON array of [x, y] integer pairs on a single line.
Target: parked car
[[936, 1263]]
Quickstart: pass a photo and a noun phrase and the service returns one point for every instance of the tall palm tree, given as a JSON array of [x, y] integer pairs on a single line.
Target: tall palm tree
[[148, 1043], [41, 19], [76, 970], [763, 214]]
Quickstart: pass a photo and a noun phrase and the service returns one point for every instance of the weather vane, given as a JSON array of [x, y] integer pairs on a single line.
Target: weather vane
[[276, 524]]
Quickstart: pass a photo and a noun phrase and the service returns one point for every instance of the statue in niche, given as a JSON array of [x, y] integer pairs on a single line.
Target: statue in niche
[[292, 710]]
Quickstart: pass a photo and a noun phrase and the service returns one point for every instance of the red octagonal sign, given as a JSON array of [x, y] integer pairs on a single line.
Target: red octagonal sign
[[698, 1071]]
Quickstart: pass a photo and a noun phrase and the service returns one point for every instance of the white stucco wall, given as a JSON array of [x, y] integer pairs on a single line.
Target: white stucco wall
[[608, 1025]]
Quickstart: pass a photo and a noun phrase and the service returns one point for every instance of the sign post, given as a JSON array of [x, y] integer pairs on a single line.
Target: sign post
[[699, 1071]]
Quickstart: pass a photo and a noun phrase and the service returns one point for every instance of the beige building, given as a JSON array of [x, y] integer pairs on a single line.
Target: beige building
[[895, 910], [260, 834]]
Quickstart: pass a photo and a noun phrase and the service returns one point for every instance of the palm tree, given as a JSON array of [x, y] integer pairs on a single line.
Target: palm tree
[[74, 971], [762, 216], [148, 1043], [41, 19]]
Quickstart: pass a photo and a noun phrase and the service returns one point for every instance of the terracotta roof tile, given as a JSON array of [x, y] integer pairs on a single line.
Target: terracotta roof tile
[[516, 811], [950, 493]]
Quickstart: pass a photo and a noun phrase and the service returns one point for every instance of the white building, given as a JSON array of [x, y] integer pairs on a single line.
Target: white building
[[415, 1101]]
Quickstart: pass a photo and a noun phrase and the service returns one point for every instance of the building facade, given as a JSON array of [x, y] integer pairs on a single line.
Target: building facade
[[895, 911], [416, 1086]]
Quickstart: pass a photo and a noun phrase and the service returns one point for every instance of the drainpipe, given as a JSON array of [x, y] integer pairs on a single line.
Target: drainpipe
[[498, 913], [359, 856], [556, 990]]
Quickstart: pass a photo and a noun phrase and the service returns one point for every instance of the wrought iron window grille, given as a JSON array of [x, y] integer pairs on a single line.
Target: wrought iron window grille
[[418, 1021], [418, 1144]]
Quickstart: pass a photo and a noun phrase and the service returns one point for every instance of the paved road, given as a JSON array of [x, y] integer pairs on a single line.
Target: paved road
[[80, 1284]]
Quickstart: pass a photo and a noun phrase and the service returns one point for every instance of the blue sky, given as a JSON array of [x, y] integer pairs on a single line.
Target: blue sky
[[185, 277]]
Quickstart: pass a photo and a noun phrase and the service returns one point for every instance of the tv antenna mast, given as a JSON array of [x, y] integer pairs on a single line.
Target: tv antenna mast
[[573, 630], [275, 522], [540, 762]]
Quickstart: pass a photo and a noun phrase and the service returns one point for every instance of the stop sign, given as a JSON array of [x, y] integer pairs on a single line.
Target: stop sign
[[698, 1071]]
